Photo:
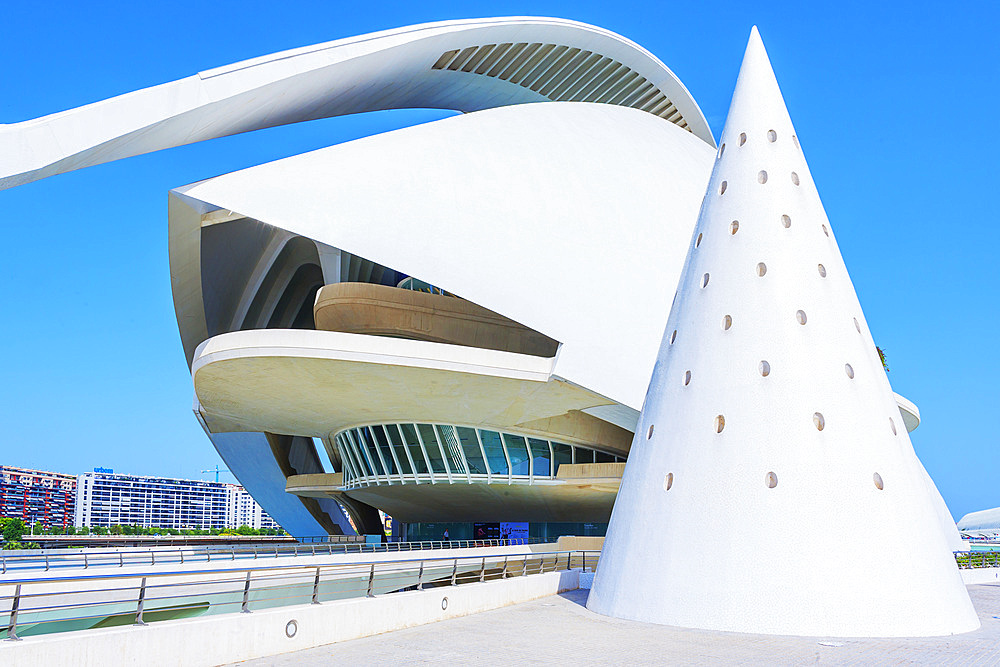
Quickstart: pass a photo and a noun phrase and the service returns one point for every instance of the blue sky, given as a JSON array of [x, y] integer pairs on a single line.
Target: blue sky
[[894, 104]]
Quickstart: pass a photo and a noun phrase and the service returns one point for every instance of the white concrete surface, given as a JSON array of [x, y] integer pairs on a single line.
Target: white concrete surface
[[234, 637], [981, 575], [771, 486], [558, 630], [391, 69]]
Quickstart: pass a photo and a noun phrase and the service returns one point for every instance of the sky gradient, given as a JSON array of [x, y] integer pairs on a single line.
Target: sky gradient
[[894, 105]]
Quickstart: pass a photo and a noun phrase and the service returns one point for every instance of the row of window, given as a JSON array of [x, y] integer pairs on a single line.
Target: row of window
[[444, 453]]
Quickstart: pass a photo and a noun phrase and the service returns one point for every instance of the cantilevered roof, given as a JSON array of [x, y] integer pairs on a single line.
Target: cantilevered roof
[[466, 65]]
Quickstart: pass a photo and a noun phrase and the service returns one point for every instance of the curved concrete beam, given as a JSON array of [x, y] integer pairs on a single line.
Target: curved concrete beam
[[364, 308], [465, 65]]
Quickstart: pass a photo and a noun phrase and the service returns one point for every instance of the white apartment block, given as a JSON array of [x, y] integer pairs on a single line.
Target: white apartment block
[[108, 499], [243, 510]]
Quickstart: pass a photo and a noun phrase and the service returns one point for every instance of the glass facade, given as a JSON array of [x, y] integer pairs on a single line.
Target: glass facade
[[442, 453]]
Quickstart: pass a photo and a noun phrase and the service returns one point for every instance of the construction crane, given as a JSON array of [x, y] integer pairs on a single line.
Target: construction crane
[[217, 470]]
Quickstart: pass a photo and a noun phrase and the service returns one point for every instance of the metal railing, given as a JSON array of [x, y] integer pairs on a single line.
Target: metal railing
[[47, 560], [36, 606], [968, 560]]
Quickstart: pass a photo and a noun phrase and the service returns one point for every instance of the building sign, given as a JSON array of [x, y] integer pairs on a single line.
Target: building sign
[[486, 531], [109, 471], [517, 532]]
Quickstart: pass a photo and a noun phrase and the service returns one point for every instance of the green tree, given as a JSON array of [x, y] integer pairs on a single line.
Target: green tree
[[13, 529]]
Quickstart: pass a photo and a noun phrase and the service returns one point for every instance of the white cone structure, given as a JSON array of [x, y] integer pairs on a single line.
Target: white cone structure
[[771, 486]]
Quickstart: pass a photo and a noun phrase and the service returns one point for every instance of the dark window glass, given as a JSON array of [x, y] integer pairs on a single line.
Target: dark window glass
[[494, 452], [361, 447], [383, 448], [398, 448], [470, 445], [449, 441], [584, 455], [601, 457], [560, 454], [346, 458], [517, 449], [431, 446], [539, 457], [410, 435]]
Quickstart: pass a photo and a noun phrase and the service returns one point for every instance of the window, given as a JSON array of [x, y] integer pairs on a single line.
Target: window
[[493, 447], [452, 449], [413, 444], [560, 454], [539, 457], [517, 449], [470, 445], [426, 432]]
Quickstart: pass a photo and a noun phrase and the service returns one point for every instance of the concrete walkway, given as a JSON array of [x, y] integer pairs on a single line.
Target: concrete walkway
[[560, 630]]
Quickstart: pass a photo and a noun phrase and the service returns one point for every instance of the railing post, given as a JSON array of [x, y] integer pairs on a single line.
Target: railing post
[[524, 566], [504, 567], [181, 552], [46, 562], [121, 561], [4, 560], [315, 599], [454, 572], [85, 564], [420, 577], [245, 609], [152, 557], [569, 560], [255, 552], [142, 602], [584, 568], [482, 570], [12, 624], [371, 582]]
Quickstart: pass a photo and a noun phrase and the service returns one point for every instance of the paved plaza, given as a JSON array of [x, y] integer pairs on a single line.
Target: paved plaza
[[560, 630]]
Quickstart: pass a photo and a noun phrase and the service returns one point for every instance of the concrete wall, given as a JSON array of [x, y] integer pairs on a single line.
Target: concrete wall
[[981, 575], [235, 637]]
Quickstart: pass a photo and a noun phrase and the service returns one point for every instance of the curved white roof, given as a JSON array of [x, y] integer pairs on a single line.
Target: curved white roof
[[983, 521], [465, 65], [508, 208]]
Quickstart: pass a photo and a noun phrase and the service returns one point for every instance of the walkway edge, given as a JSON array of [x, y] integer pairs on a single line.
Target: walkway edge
[[217, 640]]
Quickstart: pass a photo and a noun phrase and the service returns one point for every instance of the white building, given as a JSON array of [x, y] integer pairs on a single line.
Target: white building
[[981, 524], [107, 499], [465, 314], [243, 510]]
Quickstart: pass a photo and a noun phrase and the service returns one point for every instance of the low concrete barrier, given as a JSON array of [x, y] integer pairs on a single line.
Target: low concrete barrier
[[217, 640], [981, 575]]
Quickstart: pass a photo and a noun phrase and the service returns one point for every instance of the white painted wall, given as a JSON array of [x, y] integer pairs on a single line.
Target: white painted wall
[[217, 640], [698, 537]]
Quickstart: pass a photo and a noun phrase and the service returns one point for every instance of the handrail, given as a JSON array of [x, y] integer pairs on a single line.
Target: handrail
[[117, 557], [146, 597], [972, 559]]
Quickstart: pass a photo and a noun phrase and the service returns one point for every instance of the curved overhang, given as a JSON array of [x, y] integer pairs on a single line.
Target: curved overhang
[[582, 243], [580, 492], [368, 309], [465, 65], [909, 412], [317, 383]]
